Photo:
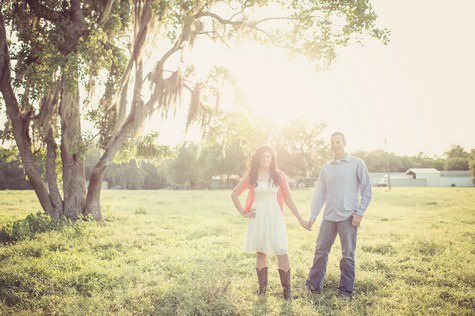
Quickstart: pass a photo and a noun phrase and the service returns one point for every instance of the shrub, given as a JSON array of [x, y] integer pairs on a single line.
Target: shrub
[[140, 210], [38, 223]]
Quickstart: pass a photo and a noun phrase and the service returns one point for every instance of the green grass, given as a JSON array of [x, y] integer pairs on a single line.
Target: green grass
[[179, 253]]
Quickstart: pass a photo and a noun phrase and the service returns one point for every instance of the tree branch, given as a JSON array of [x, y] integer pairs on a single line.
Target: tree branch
[[187, 87], [214, 35], [273, 19], [134, 58], [176, 47], [44, 12], [274, 40], [217, 17], [106, 15], [253, 25], [157, 74], [76, 13], [48, 107]]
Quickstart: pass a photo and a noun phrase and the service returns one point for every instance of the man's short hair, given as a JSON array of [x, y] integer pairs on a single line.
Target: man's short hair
[[339, 134]]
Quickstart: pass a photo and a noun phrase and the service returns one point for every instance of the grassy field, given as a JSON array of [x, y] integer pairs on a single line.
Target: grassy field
[[179, 253]]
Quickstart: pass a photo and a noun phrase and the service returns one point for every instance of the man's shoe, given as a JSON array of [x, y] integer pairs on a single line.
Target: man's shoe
[[344, 296], [311, 291]]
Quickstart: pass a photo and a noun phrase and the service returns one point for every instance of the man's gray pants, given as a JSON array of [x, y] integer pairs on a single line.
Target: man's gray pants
[[325, 240]]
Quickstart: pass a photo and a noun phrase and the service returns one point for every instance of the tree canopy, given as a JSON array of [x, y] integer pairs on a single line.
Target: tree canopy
[[50, 50]]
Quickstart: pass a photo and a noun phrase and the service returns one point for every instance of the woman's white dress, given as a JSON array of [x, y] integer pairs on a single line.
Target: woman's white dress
[[266, 232]]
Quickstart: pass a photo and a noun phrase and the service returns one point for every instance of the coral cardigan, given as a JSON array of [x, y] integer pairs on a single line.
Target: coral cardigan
[[244, 184]]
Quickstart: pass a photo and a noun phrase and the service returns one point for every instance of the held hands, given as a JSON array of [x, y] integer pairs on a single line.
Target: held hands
[[310, 223], [250, 214], [304, 223]]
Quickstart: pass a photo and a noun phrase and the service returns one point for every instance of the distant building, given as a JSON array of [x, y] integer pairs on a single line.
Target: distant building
[[224, 182], [430, 176], [401, 179], [426, 177]]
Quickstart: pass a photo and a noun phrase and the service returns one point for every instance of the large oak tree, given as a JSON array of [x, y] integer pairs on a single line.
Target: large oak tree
[[52, 49]]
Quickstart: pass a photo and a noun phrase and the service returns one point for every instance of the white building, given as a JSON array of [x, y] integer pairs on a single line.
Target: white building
[[430, 175], [425, 177]]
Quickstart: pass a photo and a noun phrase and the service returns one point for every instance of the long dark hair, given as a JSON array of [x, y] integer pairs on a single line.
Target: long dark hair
[[255, 163]]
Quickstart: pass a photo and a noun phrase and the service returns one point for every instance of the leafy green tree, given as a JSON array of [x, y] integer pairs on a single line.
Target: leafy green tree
[[301, 149], [235, 160], [49, 50], [153, 179], [210, 162], [145, 155], [456, 158], [185, 168], [230, 140], [377, 161], [438, 163], [149, 149], [129, 176], [12, 176]]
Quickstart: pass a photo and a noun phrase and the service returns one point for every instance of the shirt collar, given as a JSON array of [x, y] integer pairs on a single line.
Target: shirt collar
[[345, 158]]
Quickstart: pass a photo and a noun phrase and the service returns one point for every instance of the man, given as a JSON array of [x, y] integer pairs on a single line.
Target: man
[[345, 189]]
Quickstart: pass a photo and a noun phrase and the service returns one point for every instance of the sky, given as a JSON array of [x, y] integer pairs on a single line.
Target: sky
[[413, 95]]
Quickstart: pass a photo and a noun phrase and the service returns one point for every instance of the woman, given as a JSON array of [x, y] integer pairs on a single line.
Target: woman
[[266, 234]]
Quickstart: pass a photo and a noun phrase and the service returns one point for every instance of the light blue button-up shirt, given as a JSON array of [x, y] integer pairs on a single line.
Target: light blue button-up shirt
[[344, 187]]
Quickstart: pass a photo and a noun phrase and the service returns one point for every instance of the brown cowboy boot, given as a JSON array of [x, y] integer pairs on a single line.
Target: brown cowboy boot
[[285, 281], [262, 279]]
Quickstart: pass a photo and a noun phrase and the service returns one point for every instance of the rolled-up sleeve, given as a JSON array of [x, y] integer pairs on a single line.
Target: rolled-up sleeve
[[365, 188]]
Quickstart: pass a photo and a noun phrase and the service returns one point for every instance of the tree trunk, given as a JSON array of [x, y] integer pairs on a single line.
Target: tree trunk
[[20, 124], [93, 199], [135, 119], [95, 182], [51, 176], [74, 176]]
